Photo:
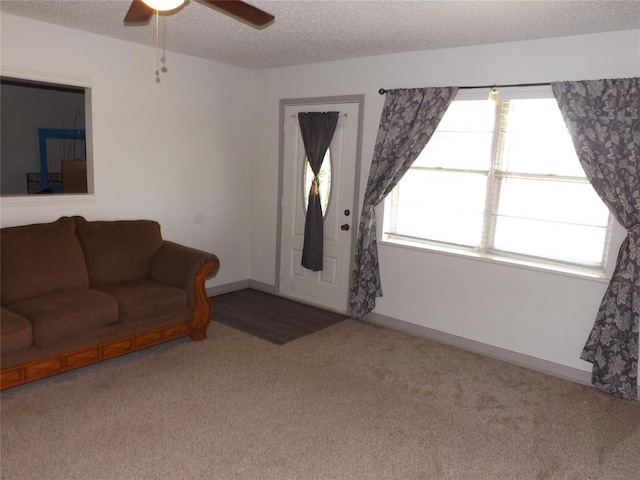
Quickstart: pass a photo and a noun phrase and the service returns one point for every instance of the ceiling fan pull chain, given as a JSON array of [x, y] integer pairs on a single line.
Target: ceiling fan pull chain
[[157, 46], [163, 59]]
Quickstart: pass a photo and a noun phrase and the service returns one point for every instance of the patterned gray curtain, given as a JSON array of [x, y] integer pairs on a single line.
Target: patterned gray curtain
[[603, 119], [409, 118], [317, 129]]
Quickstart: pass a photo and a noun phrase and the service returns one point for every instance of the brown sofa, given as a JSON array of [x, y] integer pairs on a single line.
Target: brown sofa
[[75, 292]]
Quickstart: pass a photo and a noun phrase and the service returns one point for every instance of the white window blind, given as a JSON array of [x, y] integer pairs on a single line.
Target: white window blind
[[502, 178]]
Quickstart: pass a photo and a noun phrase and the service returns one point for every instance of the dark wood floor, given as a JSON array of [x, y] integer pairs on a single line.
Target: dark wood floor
[[271, 318]]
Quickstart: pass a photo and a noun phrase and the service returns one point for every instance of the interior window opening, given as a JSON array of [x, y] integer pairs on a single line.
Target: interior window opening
[[43, 138]]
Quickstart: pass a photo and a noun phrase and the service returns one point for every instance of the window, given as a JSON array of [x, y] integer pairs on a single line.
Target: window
[[44, 135], [324, 184], [502, 179]]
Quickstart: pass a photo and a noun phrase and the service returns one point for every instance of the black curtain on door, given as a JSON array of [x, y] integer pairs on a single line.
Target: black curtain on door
[[317, 130]]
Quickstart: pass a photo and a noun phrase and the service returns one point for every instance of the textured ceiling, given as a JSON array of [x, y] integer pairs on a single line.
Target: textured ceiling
[[309, 31]]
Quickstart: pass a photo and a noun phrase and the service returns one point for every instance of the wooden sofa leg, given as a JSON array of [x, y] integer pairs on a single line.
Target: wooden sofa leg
[[199, 335]]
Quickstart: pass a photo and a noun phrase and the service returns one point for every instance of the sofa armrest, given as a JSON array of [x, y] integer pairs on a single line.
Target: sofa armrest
[[178, 266]]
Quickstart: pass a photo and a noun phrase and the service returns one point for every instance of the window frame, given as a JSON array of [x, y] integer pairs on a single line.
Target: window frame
[[68, 81], [486, 251]]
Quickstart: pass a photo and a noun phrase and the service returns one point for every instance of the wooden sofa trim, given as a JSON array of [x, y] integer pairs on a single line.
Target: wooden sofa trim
[[194, 326]]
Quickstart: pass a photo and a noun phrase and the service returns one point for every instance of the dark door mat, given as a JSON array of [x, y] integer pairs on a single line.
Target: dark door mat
[[275, 319]]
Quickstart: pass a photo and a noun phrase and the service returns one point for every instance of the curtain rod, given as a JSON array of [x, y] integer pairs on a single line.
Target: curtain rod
[[382, 91]]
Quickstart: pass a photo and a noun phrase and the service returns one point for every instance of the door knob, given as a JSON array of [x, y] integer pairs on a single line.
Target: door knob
[[344, 227]]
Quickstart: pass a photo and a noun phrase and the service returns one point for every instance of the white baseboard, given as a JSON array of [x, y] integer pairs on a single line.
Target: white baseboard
[[533, 363], [227, 288], [241, 285], [262, 287]]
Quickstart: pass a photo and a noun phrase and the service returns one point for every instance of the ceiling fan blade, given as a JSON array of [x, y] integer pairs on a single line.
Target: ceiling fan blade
[[242, 11], [139, 14]]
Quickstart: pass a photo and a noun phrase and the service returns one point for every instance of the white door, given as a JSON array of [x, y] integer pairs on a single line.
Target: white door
[[330, 287]]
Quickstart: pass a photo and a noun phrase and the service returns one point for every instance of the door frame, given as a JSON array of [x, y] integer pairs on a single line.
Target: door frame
[[328, 101]]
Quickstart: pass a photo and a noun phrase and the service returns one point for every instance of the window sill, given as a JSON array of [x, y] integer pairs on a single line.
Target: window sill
[[577, 272], [47, 200]]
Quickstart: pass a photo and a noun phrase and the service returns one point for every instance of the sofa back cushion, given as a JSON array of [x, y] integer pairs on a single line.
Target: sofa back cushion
[[39, 259], [118, 251]]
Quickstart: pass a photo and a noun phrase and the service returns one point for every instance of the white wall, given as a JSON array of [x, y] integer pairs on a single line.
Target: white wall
[[177, 152], [544, 315]]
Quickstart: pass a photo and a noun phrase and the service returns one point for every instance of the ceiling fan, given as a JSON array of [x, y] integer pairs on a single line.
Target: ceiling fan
[[141, 11]]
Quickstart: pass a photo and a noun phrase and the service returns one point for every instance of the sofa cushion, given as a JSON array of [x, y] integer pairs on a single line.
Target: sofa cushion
[[15, 332], [118, 251], [39, 259], [66, 315], [145, 299]]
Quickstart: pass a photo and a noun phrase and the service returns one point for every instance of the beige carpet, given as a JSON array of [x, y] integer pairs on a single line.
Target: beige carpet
[[354, 401]]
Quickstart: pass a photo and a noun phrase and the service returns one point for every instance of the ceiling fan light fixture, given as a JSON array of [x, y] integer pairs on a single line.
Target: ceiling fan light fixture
[[164, 5]]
